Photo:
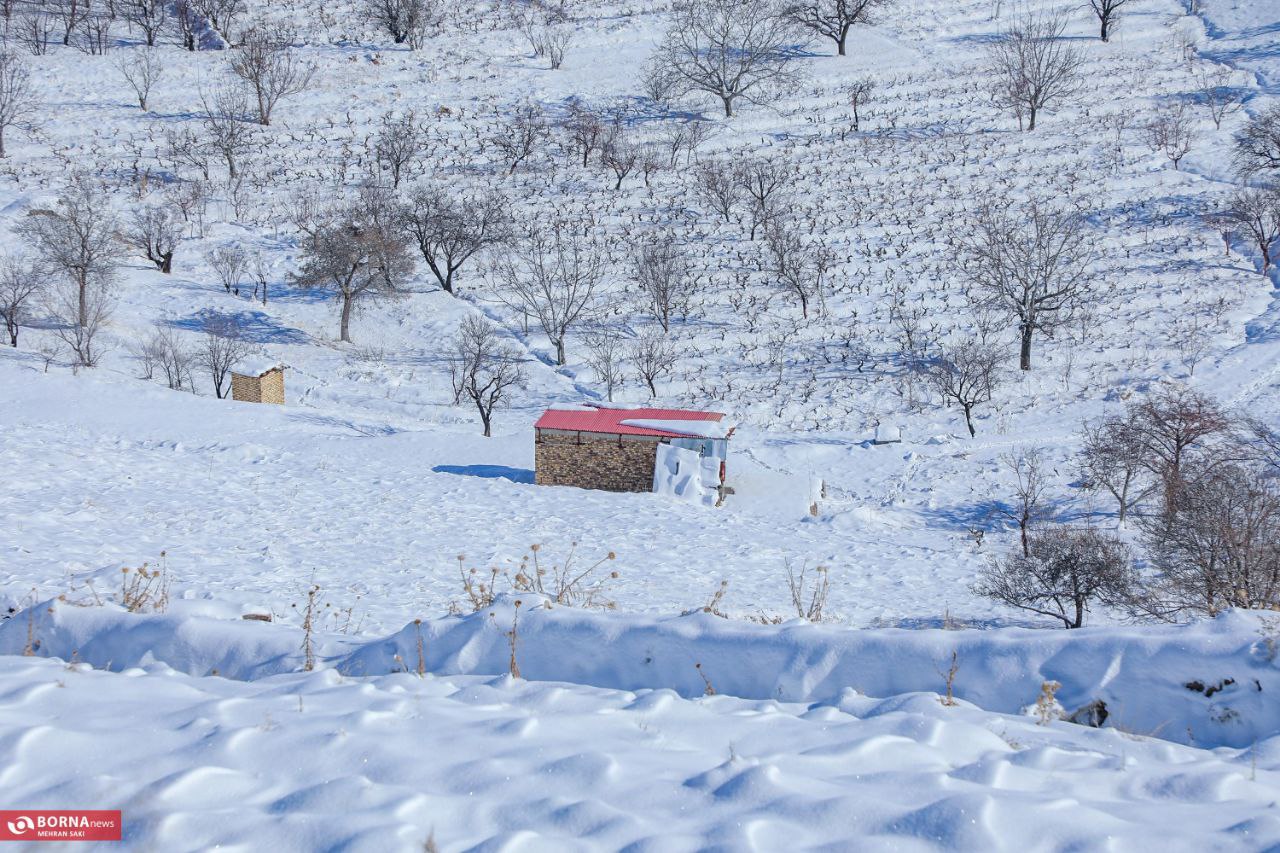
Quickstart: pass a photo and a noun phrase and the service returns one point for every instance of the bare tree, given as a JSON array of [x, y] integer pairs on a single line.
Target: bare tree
[[1061, 574], [768, 183], [18, 102], [1032, 261], [165, 353], [21, 284], [1169, 429], [552, 274], [36, 30], [225, 345], [150, 16], [1112, 461], [450, 229], [521, 136], [69, 14], [653, 357], [1217, 94], [665, 276], [859, 94], [94, 31], [77, 240], [1034, 67], [966, 373], [1028, 508], [155, 230], [141, 69], [1172, 132], [406, 21], [187, 21], [1108, 12], [606, 353], [1255, 211], [619, 155], [357, 258], [832, 18], [586, 130], [484, 369], [1258, 144], [551, 41], [798, 265], [1224, 550], [81, 314], [227, 132], [730, 49], [229, 262], [719, 186], [266, 61], [221, 16], [399, 143]]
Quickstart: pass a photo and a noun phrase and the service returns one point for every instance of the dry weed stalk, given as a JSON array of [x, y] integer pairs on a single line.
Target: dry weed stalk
[[513, 637], [709, 690], [145, 588], [32, 644], [308, 627], [950, 675], [809, 604], [480, 594], [422, 660], [1046, 710], [564, 583]]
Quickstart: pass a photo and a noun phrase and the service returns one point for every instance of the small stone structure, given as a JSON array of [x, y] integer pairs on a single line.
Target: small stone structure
[[259, 383], [614, 463], [616, 448]]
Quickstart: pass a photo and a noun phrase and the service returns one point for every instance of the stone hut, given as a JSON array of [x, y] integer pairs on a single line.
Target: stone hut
[[615, 448], [260, 381]]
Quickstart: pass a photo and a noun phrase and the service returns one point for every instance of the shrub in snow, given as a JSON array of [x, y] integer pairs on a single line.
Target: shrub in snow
[[1062, 572]]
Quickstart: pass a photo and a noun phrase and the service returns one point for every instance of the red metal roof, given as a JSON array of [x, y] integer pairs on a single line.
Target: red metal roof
[[610, 420]]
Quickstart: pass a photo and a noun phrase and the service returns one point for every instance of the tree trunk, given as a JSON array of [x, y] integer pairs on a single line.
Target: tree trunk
[[559, 342], [346, 317], [1022, 533], [1105, 24], [968, 419], [166, 262], [728, 106], [1024, 360], [844, 34], [1031, 125], [485, 418], [84, 303]]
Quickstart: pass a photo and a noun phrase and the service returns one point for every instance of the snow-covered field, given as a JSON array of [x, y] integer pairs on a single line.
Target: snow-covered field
[[372, 486]]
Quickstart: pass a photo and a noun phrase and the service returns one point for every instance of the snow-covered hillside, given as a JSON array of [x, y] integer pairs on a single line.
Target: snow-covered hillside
[[735, 725]]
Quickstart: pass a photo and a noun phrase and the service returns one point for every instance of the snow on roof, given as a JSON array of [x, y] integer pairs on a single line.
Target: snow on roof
[[610, 419], [700, 429], [256, 365]]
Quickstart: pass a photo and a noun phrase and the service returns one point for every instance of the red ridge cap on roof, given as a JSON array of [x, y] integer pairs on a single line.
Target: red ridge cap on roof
[[609, 421]]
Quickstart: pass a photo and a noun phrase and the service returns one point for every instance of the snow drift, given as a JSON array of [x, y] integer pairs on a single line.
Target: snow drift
[[1211, 683]]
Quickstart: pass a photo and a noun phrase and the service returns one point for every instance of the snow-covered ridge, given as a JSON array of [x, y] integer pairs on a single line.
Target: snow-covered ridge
[[1141, 673]]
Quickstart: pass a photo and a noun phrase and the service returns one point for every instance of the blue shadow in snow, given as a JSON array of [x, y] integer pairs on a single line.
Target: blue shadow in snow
[[257, 326], [487, 472]]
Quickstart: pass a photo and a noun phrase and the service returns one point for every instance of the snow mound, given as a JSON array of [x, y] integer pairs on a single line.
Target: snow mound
[[1206, 684]]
